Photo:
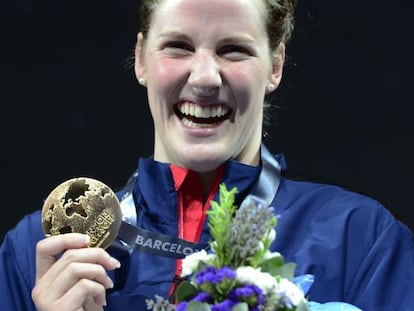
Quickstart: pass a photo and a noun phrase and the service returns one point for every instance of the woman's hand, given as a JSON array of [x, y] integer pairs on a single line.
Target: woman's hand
[[75, 281]]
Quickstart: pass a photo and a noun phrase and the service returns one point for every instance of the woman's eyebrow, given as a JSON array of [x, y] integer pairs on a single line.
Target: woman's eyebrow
[[173, 34], [238, 38]]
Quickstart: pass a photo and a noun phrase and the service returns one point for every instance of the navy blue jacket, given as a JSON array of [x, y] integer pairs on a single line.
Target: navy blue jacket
[[357, 251]]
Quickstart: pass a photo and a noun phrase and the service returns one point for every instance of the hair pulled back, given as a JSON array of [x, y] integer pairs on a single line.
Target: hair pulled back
[[279, 19]]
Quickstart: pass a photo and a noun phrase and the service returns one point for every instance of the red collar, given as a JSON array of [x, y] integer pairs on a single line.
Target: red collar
[[191, 210]]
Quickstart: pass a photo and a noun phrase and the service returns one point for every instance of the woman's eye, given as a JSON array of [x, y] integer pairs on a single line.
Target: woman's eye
[[234, 51], [179, 46]]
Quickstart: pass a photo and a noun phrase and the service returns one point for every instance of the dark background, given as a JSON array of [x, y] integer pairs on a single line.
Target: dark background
[[70, 104]]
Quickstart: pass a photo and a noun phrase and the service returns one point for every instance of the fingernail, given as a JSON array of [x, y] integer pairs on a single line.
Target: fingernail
[[115, 262], [111, 283], [87, 238]]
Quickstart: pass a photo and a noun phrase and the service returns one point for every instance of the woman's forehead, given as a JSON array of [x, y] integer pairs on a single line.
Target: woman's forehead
[[209, 14]]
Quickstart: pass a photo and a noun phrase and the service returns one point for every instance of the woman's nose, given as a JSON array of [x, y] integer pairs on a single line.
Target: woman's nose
[[205, 73]]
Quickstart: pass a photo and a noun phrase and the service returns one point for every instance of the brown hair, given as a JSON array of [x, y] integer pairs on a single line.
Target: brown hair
[[279, 19], [279, 25]]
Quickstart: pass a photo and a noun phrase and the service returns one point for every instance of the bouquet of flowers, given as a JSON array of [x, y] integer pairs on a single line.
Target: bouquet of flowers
[[240, 273]]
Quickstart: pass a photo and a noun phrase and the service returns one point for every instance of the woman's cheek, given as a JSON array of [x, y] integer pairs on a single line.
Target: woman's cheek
[[169, 68], [242, 75]]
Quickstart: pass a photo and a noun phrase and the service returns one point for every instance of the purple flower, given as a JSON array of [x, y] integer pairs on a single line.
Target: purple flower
[[206, 275], [213, 276], [182, 306], [226, 273], [251, 294], [202, 297], [225, 305]]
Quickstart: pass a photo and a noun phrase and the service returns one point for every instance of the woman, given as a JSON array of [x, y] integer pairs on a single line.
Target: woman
[[208, 66]]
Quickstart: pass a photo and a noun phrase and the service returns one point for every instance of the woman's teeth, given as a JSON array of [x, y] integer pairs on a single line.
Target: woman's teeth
[[199, 111], [192, 124], [201, 116]]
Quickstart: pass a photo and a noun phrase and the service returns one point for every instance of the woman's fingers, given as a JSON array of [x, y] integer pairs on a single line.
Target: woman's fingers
[[47, 249], [77, 279], [49, 268], [77, 272], [85, 295], [96, 256]]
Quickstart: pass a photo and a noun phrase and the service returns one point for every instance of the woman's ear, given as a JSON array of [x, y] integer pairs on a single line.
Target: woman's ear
[[139, 60], [278, 60]]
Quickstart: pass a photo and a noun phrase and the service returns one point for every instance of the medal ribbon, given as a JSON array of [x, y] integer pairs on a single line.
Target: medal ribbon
[[139, 239], [157, 243]]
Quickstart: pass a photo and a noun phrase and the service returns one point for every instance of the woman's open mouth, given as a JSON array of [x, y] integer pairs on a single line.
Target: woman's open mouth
[[201, 116]]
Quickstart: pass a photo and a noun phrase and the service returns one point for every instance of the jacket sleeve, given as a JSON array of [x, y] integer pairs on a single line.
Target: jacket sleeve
[[17, 264], [385, 278]]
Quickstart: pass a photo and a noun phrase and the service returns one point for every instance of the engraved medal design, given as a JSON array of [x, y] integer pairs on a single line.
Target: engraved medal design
[[83, 205]]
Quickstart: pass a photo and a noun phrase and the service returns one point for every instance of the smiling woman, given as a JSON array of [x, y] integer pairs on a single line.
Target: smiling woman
[[207, 67], [191, 64]]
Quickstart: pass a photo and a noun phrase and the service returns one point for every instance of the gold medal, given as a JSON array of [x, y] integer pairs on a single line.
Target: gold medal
[[83, 205]]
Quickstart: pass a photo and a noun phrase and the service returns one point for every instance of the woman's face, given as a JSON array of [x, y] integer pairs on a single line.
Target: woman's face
[[206, 65]]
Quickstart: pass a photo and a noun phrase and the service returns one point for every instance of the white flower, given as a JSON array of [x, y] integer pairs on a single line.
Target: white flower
[[250, 275], [270, 255], [191, 262], [288, 289]]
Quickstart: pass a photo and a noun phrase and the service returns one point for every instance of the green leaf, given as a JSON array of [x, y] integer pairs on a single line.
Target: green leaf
[[185, 291], [240, 307], [287, 271], [272, 265], [198, 306], [219, 222]]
